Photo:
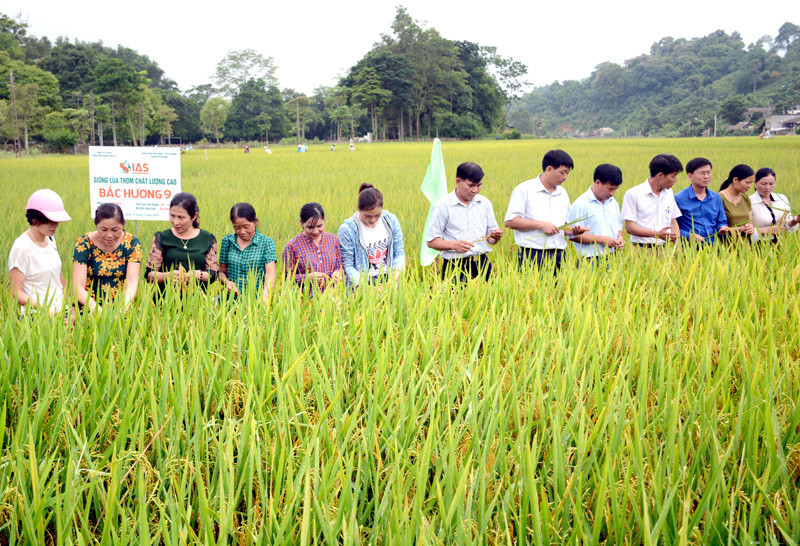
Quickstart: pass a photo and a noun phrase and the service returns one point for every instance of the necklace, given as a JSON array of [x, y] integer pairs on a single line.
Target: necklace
[[184, 243], [35, 240]]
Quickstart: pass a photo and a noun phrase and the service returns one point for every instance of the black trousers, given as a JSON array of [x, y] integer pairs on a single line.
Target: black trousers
[[465, 269], [541, 258]]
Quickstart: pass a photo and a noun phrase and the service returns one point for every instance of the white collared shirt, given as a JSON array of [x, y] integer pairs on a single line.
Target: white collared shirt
[[650, 211], [531, 201], [452, 220], [780, 210]]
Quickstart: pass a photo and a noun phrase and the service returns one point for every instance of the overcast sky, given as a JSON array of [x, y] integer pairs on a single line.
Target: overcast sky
[[314, 42]]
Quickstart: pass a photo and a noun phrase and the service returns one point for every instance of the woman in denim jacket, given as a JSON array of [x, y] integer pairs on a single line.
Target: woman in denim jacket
[[371, 241]]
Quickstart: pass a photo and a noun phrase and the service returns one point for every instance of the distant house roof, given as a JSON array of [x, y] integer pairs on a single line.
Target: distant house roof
[[603, 131], [781, 122], [742, 125], [765, 111]]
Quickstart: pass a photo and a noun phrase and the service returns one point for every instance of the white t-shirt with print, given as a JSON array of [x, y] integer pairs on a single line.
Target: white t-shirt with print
[[376, 243]]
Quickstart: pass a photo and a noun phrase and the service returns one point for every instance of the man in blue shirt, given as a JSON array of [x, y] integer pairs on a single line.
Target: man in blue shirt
[[702, 213], [604, 222]]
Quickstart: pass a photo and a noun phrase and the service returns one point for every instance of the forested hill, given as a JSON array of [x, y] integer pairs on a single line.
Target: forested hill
[[675, 90], [413, 83]]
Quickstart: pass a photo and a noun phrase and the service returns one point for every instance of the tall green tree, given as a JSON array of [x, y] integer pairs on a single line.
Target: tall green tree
[[240, 66], [73, 65], [298, 107], [188, 126], [248, 103], [213, 116], [121, 86], [511, 75], [438, 73], [32, 96], [368, 92], [13, 36]]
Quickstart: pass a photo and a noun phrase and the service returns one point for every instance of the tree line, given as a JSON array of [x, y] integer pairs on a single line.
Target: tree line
[[676, 90], [413, 83]]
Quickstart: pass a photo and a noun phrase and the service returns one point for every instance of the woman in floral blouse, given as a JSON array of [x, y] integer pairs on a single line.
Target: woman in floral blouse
[[106, 261]]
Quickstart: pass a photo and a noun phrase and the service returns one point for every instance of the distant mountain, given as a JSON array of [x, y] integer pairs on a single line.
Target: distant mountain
[[675, 90]]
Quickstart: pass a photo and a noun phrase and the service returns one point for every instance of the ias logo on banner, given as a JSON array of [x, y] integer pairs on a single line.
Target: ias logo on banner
[[135, 168]]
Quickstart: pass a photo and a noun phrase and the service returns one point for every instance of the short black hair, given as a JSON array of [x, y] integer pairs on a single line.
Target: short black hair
[[666, 164], [311, 210], [556, 159], [187, 202], [608, 174], [36, 218], [245, 211], [764, 172], [469, 171], [108, 210], [696, 163]]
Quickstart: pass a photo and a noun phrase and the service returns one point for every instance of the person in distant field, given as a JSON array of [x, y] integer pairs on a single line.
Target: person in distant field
[[246, 252], [352, 147], [649, 209], [305, 147], [247, 149], [106, 262], [300, 149], [772, 213], [267, 150], [603, 234], [737, 204], [536, 210], [463, 227], [371, 241], [702, 213], [333, 147], [34, 266], [765, 134], [313, 258]]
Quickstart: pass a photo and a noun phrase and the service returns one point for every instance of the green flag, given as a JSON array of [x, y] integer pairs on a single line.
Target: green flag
[[434, 186]]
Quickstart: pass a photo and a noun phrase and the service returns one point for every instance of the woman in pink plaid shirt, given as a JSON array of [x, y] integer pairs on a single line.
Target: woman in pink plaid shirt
[[313, 257]]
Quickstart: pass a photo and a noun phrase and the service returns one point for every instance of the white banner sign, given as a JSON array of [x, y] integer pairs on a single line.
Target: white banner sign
[[140, 180]]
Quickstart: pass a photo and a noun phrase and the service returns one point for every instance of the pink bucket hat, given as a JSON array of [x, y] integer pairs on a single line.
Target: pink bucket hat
[[50, 204]]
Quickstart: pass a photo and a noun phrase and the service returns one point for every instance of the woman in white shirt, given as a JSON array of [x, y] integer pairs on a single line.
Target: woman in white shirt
[[771, 211], [34, 265]]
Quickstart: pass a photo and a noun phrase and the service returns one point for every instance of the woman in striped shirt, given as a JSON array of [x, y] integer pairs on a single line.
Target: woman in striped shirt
[[313, 258]]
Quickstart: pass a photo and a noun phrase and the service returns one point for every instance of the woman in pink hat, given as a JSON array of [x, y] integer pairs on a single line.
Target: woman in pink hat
[[34, 265]]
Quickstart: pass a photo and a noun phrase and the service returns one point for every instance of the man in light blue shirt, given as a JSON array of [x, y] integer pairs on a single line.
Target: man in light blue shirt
[[702, 212], [602, 214]]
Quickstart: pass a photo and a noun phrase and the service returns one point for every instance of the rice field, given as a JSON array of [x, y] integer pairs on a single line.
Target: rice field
[[652, 402]]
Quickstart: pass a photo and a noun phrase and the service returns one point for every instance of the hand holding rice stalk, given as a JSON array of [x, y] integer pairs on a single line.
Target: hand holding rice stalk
[[734, 230], [569, 227], [494, 234], [788, 219]]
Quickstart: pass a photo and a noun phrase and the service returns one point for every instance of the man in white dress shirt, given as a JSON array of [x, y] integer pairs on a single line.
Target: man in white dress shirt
[[649, 209], [463, 227], [536, 210]]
